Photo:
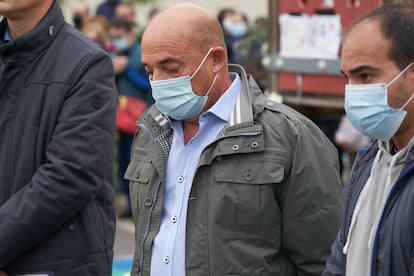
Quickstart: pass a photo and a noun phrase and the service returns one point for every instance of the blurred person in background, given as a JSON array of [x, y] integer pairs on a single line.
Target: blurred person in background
[[252, 49], [96, 32], [80, 15], [127, 11], [107, 8], [132, 81], [237, 27], [224, 15]]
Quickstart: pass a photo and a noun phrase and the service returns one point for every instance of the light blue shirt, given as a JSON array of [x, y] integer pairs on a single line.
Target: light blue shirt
[[168, 249]]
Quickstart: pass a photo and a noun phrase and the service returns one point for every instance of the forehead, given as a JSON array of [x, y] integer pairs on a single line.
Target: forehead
[[159, 45], [124, 9], [365, 44]]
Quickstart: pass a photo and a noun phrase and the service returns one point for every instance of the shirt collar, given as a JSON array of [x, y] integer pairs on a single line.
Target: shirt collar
[[221, 107], [7, 36]]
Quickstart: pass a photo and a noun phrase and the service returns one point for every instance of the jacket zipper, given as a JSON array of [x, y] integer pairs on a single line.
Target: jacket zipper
[[396, 186], [141, 260]]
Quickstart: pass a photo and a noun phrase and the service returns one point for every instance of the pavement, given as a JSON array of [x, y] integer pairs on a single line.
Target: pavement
[[124, 247], [124, 238]]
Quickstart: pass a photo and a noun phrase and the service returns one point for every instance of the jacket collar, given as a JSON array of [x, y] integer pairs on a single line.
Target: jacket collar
[[243, 110], [33, 42], [367, 155]]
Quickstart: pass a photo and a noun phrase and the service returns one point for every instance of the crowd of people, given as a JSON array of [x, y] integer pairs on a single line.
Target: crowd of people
[[219, 179], [114, 27]]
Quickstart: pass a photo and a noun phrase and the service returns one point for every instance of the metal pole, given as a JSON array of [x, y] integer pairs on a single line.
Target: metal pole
[[273, 47]]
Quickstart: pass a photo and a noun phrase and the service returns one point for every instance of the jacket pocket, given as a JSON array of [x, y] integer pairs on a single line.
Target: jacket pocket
[[139, 173], [77, 241], [244, 203]]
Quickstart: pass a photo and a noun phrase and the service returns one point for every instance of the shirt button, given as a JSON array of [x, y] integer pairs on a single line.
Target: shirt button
[[166, 259], [180, 179], [174, 219]]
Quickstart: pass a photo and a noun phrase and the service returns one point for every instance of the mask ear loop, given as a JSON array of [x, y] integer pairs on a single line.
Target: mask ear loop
[[211, 86], [407, 102], [202, 63], [400, 74], [396, 78]]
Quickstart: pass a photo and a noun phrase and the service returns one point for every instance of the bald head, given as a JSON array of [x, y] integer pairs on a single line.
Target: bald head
[[192, 24]]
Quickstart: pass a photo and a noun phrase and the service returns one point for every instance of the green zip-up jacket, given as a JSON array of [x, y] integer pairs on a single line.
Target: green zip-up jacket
[[265, 199]]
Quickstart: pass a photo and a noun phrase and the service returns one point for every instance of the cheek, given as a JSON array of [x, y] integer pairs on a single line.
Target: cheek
[[398, 94]]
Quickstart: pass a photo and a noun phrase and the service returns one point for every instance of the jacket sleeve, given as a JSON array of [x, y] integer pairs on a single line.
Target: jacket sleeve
[[311, 199], [78, 161], [336, 262]]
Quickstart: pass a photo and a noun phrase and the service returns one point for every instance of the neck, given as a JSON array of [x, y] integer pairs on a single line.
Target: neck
[[190, 129], [403, 136], [22, 22]]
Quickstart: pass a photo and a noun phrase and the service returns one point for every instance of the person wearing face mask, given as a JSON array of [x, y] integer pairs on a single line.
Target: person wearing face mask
[[222, 180], [81, 15], [236, 26], [376, 237], [132, 81]]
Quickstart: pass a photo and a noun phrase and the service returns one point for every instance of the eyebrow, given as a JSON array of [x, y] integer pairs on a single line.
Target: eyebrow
[[165, 61], [359, 69], [168, 60]]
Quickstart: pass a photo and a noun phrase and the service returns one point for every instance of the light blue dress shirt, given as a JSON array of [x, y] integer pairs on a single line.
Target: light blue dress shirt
[[168, 249]]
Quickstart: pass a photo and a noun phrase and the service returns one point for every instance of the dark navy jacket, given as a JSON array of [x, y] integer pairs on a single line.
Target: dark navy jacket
[[394, 242], [57, 123]]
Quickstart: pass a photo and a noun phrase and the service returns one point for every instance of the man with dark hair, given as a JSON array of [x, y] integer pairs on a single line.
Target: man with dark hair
[[107, 8], [57, 124], [376, 237]]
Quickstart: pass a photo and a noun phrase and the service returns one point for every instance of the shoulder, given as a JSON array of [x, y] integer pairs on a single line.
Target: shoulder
[[279, 114], [74, 40], [73, 53]]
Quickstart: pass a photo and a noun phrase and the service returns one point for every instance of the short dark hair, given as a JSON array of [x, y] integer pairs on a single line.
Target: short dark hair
[[397, 25], [121, 22]]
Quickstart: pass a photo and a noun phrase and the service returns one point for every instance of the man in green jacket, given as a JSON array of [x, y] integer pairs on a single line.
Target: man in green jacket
[[222, 180]]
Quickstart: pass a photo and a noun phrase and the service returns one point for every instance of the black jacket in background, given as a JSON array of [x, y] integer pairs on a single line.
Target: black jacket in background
[[57, 123]]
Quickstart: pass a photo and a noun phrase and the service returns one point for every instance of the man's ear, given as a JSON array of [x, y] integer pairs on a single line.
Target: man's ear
[[219, 58]]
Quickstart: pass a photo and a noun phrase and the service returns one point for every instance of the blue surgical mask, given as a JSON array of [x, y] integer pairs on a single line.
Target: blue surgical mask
[[121, 44], [175, 97], [236, 29], [366, 106]]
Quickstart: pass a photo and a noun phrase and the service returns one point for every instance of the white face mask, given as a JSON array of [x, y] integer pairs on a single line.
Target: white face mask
[[366, 106], [175, 97]]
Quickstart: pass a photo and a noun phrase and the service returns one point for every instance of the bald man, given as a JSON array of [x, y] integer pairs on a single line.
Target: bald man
[[222, 180]]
